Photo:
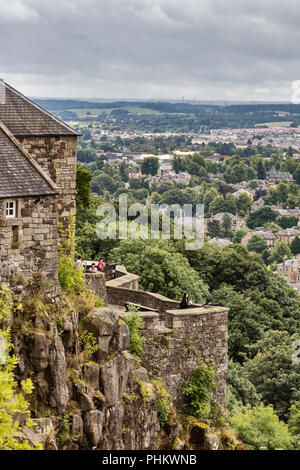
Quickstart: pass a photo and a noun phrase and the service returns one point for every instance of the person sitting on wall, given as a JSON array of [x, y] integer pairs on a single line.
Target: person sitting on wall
[[93, 268], [185, 301], [101, 265]]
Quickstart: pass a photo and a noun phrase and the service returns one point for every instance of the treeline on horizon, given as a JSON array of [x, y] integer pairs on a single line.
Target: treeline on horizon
[[166, 107]]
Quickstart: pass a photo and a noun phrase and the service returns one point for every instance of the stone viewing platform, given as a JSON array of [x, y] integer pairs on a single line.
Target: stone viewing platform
[[176, 340]]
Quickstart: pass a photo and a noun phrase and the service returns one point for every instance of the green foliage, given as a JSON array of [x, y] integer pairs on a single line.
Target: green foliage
[[294, 420], [60, 325], [260, 217], [163, 401], [64, 429], [243, 204], [240, 391], [83, 186], [150, 166], [161, 268], [70, 278], [261, 172], [237, 171], [89, 344], [272, 372], [11, 401], [287, 222], [226, 227], [260, 428], [257, 244], [295, 246], [239, 235], [198, 390], [135, 324], [278, 252], [213, 229]]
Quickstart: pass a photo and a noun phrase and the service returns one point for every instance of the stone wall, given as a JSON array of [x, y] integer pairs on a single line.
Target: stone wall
[[96, 282], [103, 396], [189, 337], [28, 243], [58, 157], [177, 341], [121, 295]]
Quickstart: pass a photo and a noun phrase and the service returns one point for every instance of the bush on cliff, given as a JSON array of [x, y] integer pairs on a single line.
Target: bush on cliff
[[135, 325], [11, 401], [198, 390], [260, 428], [70, 278]]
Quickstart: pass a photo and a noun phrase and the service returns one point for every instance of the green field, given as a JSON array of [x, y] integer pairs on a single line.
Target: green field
[[94, 112], [275, 124]]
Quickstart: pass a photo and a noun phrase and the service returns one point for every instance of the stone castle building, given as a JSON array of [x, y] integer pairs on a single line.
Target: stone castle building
[[37, 185]]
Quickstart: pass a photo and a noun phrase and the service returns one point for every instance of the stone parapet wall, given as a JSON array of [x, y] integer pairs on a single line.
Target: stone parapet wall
[[128, 281], [191, 336], [121, 295], [96, 282]]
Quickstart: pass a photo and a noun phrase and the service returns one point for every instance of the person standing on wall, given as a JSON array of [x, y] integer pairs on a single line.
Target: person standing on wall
[[101, 265]]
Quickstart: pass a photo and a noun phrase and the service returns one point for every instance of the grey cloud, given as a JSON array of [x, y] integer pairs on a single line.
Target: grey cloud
[[201, 49]]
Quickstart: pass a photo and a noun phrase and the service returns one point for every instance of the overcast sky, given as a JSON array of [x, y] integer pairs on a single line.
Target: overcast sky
[[196, 49]]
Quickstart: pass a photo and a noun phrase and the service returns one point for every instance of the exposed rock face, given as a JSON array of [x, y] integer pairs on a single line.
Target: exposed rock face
[[93, 425], [114, 375], [89, 404], [60, 392], [108, 401], [40, 351]]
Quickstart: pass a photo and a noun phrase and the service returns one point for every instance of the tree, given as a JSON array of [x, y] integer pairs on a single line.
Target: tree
[[226, 227], [272, 371], [261, 172], [243, 204], [161, 268], [150, 166], [107, 183], [294, 420], [287, 221], [241, 388], [257, 244], [213, 228], [239, 235], [260, 217], [260, 428], [295, 246], [279, 251], [297, 176], [83, 186]]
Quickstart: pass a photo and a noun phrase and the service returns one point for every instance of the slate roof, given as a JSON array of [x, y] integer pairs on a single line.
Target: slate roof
[[20, 175], [25, 118]]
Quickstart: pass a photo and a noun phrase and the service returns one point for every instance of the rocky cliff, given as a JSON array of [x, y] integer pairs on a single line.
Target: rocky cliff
[[89, 391]]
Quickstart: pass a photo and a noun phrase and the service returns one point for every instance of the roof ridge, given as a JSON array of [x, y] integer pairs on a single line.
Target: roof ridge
[[28, 157], [62, 123]]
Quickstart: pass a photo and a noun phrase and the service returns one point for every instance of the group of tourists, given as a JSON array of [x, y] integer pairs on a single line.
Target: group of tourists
[[185, 302], [93, 268]]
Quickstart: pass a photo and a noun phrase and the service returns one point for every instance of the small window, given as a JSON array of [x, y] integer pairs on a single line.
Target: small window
[[11, 209]]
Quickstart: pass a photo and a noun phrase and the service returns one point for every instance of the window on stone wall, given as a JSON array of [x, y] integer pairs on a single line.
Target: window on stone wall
[[11, 209]]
